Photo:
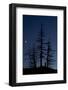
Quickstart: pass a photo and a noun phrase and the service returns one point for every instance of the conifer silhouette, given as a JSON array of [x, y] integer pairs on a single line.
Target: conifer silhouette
[[41, 47], [32, 57], [50, 53]]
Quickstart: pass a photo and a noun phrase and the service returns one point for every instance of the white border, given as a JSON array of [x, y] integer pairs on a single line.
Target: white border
[[19, 44]]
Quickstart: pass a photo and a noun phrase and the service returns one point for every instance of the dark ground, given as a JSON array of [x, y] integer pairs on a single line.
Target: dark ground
[[42, 70]]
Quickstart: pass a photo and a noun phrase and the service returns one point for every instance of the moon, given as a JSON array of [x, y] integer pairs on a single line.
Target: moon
[[25, 41]]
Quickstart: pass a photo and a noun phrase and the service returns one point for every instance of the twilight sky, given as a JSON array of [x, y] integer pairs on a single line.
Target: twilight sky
[[31, 28]]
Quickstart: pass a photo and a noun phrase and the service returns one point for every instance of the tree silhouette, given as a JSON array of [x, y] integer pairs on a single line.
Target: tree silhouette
[[50, 53], [41, 47], [41, 51], [32, 57]]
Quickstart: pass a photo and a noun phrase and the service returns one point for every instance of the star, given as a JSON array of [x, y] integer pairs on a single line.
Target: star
[[25, 41]]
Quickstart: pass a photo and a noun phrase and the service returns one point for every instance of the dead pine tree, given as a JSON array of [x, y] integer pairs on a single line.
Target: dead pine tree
[[32, 57], [50, 53], [41, 47]]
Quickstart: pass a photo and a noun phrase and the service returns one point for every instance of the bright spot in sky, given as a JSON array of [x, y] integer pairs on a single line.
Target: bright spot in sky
[[25, 41]]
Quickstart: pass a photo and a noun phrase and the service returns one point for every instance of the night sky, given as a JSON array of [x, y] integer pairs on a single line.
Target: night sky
[[31, 28]]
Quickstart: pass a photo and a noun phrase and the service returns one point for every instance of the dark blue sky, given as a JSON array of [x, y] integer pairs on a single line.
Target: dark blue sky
[[31, 28]]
